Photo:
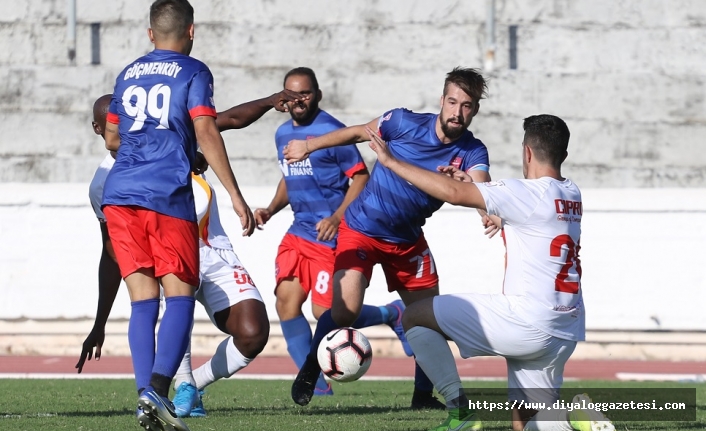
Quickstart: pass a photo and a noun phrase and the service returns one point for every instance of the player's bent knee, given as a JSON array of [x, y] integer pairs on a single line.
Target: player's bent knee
[[251, 338], [249, 326], [288, 309], [420, 313]]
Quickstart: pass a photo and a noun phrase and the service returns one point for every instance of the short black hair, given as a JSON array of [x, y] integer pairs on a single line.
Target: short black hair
[[548, 136], [469, 80], [303, 71], [171, 17]]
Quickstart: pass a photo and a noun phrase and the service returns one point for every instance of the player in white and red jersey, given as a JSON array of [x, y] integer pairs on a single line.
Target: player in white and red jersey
[[537, 320], [231, 300]]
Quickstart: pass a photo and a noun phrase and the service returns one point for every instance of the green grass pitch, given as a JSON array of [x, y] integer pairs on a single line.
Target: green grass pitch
[[98, 405]]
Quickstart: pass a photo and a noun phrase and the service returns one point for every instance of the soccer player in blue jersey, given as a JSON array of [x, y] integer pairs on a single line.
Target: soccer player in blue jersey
[[162, 104], [234, 305], [384, 223], [318, 191]]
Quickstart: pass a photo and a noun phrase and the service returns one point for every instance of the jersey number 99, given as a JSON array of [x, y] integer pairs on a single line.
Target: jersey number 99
[[147, 103]]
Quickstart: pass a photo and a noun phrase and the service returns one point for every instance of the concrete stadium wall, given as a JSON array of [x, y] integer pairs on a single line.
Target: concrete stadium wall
[[627, 77], [640, 255]]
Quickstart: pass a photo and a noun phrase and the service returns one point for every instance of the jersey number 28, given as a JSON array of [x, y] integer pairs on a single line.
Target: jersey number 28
[[147, 103]]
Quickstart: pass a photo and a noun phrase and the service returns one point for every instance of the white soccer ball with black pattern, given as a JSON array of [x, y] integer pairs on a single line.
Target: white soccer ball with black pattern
[[345, 355]]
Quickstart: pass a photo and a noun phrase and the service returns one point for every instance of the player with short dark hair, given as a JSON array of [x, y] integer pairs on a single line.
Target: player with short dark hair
[[170, 19], [383, 225], [304, 71], [319, 192], [162, 105], [539, 317], [226, 290]]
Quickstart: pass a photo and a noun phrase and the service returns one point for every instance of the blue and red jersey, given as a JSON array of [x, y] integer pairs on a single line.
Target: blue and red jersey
[[316, 186], [154, 103], [389, 207]]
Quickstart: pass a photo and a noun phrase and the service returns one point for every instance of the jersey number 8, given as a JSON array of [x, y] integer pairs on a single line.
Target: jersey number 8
[[147, 103]]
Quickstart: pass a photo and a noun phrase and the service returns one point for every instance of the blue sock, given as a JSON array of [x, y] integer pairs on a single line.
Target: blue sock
[[174, 335], [323, 327], [421, 381], [393, 314], [140, 335], [370, 316], [297, 334]]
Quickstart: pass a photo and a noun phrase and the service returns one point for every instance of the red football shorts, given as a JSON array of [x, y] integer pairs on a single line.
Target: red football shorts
[[144, 238], [407, 266], [311, 263]]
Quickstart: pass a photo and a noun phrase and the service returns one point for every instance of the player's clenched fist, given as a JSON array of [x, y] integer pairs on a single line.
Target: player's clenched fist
[[295, 151], [281, 100]]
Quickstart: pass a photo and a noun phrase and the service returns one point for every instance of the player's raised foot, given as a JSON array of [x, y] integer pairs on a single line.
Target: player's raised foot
[[325, 391], [588, 419], [422, 400], [455, 423], [186, 397], [396, 326], [198, 411], [158, 413], [303, 386]]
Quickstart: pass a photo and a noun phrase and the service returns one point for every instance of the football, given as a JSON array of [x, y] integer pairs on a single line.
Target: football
[[344, 355]]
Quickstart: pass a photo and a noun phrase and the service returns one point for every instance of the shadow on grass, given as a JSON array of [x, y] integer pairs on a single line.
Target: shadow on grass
[[106, 414], [311, 411]]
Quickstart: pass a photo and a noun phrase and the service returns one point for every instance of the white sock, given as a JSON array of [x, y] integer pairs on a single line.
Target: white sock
[[433, 354], [226, 362], [183, 374], [549, 420]]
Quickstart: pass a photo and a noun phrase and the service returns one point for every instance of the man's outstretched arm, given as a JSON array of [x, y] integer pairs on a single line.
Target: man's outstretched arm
[[439, 186], [297, 150], [243, 115]]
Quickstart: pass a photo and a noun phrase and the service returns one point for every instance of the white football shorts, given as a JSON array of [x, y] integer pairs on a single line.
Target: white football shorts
[[484, 325], [224, 280]]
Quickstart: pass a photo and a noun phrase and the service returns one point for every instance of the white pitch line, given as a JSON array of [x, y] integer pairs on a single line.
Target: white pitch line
[[661, 377], [118, 376], [29, 415], [290, 377], [68, 376]]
